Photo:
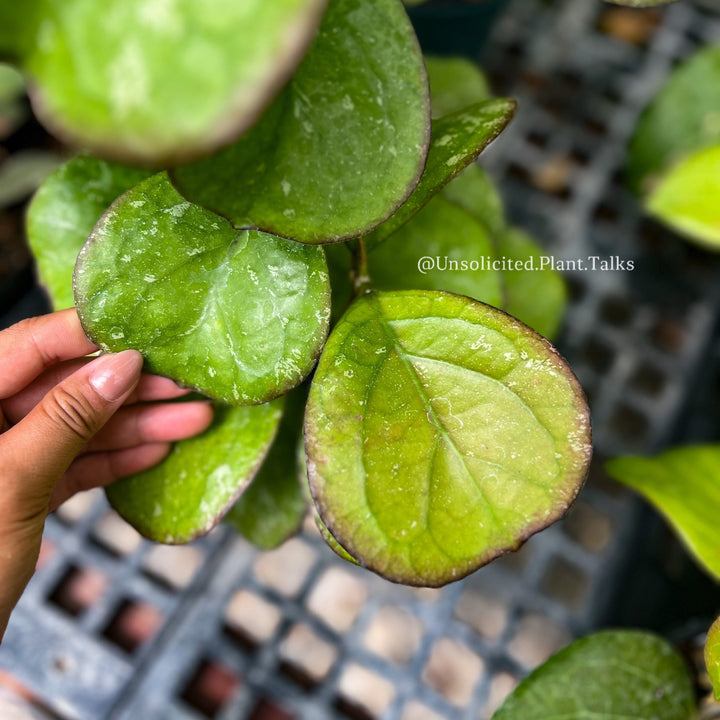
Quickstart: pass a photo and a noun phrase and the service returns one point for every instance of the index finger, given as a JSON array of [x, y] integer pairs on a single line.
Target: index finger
[[31, 346]]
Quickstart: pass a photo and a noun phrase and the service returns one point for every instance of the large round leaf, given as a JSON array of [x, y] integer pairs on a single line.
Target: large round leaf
[[344, 144], [683, 118], [63, 213], [239, 315], [164, 80], [619, 675], [440, 433], [190, 491]]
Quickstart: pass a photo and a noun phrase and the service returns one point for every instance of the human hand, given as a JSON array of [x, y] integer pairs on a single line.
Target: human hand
[[70, 423]]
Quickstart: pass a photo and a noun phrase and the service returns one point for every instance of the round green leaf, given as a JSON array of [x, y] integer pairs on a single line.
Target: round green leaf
[[440, 433], [272, 508], [617, 675], [344, 144], [187, 494], [239, 315], [457, 140], [683, 118], [63, 214], [459, 248], [684, 485], [687, 198], [162, 81], [712, 657], [455, 83]]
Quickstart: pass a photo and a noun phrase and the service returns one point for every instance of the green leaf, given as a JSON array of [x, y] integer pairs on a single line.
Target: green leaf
[[187, 494], [440, 433], [474, 191], [157, 82], [537, 297], [63, 214], [616, 675], [455, 83], [687, 198], [683, 118], [236, 314], [456, 242], [453, 241], [343, 145], [272, 508], [684, 485], [457, 140], [712, 657]]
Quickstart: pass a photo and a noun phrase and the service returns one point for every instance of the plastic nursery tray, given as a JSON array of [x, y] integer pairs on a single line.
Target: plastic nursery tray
[[114, 628]]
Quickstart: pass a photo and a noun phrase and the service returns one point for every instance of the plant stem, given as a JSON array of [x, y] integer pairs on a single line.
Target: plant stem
[[359, 274]]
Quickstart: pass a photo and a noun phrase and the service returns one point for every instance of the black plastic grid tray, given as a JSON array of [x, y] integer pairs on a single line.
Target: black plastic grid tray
[[298, 634]]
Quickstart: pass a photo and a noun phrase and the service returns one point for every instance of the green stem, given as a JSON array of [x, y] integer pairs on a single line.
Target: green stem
[[359, 274]]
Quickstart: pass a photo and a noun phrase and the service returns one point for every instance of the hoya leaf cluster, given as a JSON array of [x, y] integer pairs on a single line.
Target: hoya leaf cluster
[[437, 431]]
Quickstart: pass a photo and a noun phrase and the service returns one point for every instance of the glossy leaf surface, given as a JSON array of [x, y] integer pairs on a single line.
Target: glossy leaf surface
[[440, 433], [683, 118], [687, 198], [190, 491], [343, 145], [457, 140], [238, 315], [684, 484], [272, 508], [63, 213], [157, 82], [613, 675]]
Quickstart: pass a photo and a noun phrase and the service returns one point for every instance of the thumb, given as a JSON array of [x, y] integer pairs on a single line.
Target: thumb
[[44, 443]]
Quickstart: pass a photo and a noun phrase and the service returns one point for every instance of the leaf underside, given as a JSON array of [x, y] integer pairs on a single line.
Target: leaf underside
[[240, 316], [343, 145], [190, 491], [159, 82], [606, 676], [440, 433], [684, 485]]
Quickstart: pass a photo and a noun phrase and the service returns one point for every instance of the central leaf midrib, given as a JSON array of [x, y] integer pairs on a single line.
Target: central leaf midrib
[[400, 350]]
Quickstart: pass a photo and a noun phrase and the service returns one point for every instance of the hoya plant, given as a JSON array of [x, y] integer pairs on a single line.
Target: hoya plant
[[675, 153], [257, 186]]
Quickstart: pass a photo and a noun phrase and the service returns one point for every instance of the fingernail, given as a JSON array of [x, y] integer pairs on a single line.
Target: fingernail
[[114, 375]]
